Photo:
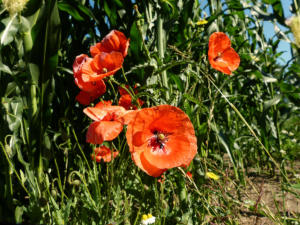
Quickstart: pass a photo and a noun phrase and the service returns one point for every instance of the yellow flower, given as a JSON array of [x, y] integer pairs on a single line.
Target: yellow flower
[[211, 175], [202, 22], [14, 6]]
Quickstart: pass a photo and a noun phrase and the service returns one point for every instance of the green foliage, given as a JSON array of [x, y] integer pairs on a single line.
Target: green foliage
[[47, 176]]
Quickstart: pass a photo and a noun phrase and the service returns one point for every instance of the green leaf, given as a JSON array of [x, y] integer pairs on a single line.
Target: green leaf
[[11, 28], [178, 82], [19, 213], [34, 72], [86, 11], [191, 98], [5, 68], [111, 12], [64, 6], [14, 109], [269, 79], [296, 186], [135, 40], [273, 101]]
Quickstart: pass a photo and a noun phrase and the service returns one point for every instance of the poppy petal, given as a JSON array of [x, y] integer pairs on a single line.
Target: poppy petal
[[128, 116], [105, 64], [218, 42], [78, 62], [140, 161], [93, 134], [103, 104], [94, 113], [85, 98], [81, 68], [88, 70], [100, 131], [110, 129], [114, 41], [232, 58], [94, 86]]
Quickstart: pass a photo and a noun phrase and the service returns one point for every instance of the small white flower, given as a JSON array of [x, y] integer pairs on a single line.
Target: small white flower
[[283, 152], [148, 219]]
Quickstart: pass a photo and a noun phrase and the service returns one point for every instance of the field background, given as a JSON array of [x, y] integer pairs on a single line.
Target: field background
[[247, 125]]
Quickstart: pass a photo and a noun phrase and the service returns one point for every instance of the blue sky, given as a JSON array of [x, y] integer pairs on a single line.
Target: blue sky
[[269, 32]]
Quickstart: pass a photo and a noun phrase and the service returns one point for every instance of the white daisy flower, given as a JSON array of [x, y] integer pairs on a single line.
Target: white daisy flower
[[147, 219]]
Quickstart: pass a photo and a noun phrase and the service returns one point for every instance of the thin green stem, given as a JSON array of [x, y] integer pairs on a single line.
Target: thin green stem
[[140, 23], [12, 166], [160, 45], [76, 139], [124, 75], [59, 182]]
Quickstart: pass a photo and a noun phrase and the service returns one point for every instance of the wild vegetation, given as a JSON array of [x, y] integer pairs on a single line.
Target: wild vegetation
[[238, 158]]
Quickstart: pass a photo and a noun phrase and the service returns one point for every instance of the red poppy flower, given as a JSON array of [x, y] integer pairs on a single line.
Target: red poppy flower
[[161, 138], [97, 87], [114, 41], [102, 65], [126, 102], [221, 55], [108, 123], [126, 99], [103, 153]]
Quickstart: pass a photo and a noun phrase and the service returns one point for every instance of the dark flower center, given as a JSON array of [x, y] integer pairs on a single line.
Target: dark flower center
[[219, 57], [158, 141]]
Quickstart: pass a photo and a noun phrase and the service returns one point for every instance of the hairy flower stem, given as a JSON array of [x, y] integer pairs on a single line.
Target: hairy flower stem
[[160, 40]]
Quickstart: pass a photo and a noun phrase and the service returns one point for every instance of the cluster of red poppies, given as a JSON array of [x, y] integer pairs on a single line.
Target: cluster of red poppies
[[107, 58], [160, 137]]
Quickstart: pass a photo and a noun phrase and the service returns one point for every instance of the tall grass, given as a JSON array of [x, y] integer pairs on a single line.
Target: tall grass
[[245, 124]]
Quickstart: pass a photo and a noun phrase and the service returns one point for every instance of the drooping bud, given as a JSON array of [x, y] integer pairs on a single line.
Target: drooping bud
[[14, 6]]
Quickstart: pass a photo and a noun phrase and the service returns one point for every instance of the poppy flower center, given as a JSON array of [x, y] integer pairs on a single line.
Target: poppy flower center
[[161, 137], [219, 57], [158, 141]]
